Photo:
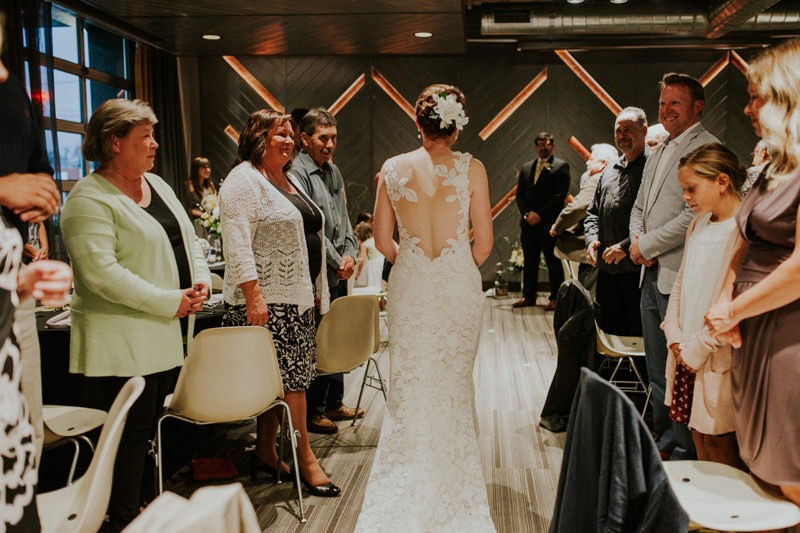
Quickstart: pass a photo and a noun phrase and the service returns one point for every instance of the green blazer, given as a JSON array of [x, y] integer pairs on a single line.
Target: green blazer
[[126, 280]]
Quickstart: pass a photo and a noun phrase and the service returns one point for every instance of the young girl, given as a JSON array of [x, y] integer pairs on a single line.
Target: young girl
[[698, 378], [370, 260]]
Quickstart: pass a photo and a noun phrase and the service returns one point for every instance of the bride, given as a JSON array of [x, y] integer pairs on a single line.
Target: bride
[[427, 472]]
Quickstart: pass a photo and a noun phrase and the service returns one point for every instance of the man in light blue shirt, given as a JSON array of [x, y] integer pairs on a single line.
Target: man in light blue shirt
[[323, 182]]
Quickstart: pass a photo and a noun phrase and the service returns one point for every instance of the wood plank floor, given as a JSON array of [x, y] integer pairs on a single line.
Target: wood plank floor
[[515, 363]]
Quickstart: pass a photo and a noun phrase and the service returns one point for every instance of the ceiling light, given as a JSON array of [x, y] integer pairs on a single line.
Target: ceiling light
[[619, 1], [211, 37], [574, 1], [423, 34]]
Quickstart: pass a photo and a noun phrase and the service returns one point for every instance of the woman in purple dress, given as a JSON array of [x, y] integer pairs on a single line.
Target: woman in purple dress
[[764, 283]]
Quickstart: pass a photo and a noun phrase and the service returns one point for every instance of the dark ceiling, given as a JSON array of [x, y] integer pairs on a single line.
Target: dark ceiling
[[318, 27]]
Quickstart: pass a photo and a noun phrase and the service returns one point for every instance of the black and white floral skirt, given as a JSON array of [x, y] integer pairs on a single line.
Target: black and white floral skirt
[[294, 336]]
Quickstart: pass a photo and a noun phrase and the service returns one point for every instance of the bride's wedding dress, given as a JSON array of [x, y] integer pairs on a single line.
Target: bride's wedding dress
[[427, 472]]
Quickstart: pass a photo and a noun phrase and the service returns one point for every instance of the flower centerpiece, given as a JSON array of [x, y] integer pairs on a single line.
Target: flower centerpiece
[[209, 205], [516, 260]]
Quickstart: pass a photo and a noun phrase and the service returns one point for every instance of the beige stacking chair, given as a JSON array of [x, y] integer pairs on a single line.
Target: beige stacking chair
[[81, 507], [721, 497], [216, 282], [619, 350], [570, 269], [347, 337], [66, 424], [230, 374], [210, 509]]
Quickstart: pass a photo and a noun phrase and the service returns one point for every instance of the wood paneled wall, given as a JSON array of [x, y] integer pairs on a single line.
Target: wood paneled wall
[[372, 127]]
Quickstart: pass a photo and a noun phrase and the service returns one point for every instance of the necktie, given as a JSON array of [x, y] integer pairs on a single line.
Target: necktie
[[539, 166]]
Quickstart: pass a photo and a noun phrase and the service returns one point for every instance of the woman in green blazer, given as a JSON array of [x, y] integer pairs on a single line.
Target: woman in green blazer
[[139, 277]]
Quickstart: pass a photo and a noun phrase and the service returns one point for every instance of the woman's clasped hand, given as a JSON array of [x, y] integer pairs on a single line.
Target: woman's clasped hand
[[192, 300]]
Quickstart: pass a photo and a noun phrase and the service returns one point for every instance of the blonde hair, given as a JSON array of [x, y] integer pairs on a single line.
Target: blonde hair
[[776, 76], [713, 159], [115, 117]]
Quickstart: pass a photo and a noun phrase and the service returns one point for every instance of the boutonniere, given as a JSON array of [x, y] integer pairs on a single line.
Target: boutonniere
[[548, 166]]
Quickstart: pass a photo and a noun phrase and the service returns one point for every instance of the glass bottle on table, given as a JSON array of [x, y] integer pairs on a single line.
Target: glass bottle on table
[[500, 283]]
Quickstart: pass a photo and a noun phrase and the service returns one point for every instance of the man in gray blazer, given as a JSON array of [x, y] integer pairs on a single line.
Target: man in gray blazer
[[657, 229]]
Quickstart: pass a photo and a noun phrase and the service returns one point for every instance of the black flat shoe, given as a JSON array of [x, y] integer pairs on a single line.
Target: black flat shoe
[[257, 465], [328, 490]]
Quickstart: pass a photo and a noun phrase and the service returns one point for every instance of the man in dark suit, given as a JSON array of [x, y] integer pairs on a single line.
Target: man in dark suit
[[541, 191]]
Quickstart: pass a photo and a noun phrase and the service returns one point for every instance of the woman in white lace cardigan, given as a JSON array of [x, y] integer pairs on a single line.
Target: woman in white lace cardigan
[[275, 276]]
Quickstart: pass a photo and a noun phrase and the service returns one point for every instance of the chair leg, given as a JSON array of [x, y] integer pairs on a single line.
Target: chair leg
[[616, 369], [647, 399], [638, 374], [380, 378], [87, 440], [361, 391], [293, 437], [374, 363], [280, 440], [159, 462], [72, 467]]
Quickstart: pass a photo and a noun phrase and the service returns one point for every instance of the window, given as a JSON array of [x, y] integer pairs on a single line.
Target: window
[[90, 65]]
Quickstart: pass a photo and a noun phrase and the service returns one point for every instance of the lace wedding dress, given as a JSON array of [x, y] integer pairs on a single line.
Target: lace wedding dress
[[427, 472]]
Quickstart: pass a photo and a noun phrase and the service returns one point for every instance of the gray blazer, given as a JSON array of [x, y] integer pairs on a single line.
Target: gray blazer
[[662, 223]]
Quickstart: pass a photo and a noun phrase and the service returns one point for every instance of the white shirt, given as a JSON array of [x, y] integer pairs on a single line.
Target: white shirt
[[667, 152]]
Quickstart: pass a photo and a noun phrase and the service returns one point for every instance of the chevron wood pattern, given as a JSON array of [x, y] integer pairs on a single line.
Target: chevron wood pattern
[[738, 62], [514, 104], [250, 80], [348, 95], [590, 82], [715, 69], [373, 128]]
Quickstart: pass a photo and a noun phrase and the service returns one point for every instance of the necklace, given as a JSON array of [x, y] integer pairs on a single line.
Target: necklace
[[287, 188], [284, 184]]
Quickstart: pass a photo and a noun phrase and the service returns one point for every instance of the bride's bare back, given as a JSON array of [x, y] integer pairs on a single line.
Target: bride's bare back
[[432, 199]]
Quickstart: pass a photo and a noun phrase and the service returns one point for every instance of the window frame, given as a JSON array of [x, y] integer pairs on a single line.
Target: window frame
[[85, 74]]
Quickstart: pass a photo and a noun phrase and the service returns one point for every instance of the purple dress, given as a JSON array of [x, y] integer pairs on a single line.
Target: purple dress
[[765, 371]]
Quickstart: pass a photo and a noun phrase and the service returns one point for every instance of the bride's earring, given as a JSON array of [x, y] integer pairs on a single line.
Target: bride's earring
[[419, 135]]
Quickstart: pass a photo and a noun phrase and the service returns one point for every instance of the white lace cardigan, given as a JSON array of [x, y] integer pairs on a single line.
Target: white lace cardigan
[[263, 239]]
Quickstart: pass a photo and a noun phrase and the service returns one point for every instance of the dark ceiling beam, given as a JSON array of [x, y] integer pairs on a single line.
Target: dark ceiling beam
[[725, 15]]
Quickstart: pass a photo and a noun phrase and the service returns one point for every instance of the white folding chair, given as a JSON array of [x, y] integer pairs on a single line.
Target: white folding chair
[[81, 507], [230, 374], [718, 496], [618, 350], [67, 424], [348, 335]]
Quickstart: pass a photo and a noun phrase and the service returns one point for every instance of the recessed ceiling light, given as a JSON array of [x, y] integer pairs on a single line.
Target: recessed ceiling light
[[574, 1], [423, 34], [211, 37], [619, 1]]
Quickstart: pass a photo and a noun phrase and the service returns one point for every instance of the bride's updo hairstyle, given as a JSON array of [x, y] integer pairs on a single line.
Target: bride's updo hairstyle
[[429, 120]]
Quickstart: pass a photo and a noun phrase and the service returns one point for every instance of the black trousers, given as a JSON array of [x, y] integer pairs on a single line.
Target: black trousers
[[133, 479], [618, 297], [326, 392], [536, 240]]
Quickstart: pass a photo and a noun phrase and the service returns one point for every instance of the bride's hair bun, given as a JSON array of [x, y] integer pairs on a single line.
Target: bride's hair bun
[[432, 124]]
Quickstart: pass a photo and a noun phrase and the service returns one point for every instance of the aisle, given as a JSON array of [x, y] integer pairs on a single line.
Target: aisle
[[515, 362]]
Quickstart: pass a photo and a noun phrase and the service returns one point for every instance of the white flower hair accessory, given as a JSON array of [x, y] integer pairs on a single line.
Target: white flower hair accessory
[[448, 111]]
